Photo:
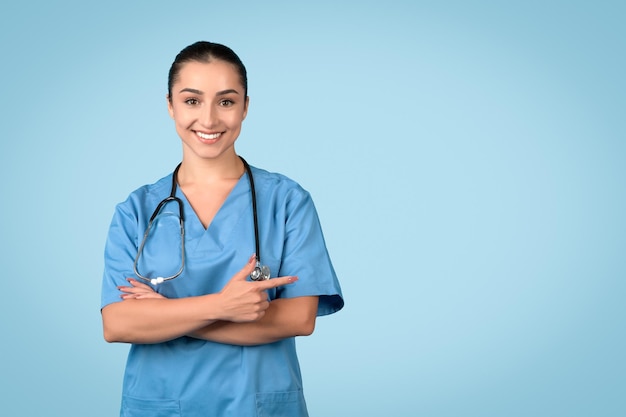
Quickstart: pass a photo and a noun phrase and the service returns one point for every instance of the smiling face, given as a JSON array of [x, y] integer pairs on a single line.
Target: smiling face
[[208, 104]]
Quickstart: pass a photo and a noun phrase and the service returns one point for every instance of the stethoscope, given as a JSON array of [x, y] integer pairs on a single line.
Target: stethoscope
[[260, 272]]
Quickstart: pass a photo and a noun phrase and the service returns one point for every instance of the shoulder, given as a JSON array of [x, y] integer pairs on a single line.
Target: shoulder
[[281, 195], [146, 195], [274, 189], [278, 183]]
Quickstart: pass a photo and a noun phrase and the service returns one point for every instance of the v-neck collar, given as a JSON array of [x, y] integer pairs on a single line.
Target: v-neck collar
[[219, 231]]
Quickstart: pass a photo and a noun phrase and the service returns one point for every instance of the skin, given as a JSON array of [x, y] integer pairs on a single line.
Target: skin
[[208, 106]]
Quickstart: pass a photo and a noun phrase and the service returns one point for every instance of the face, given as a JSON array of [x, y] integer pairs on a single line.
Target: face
[[208, 105]]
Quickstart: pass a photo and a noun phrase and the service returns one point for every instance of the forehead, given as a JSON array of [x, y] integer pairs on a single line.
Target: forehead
[[214, 75]]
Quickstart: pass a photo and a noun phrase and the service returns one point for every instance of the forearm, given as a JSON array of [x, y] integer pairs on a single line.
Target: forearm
[[288, 317], [156, 320]]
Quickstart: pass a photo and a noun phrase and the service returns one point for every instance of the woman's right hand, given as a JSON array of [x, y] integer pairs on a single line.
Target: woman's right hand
[[241, 300], [138, 291]]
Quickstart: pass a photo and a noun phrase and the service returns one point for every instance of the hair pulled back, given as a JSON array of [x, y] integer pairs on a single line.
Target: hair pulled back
[[206, 52]]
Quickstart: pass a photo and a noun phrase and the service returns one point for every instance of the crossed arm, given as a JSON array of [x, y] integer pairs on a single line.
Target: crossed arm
[[239, 314]]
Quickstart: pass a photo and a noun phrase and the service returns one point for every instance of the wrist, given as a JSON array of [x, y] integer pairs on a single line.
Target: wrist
[[210, 310]]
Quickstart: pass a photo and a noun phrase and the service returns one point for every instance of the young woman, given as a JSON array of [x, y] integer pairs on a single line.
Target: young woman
[[207, 340]]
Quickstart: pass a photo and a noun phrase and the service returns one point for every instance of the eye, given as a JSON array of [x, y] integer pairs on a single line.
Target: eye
[[226, 102], [191, 101]]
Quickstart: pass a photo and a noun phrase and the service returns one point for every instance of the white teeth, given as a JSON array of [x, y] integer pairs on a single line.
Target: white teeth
[[205, 136]]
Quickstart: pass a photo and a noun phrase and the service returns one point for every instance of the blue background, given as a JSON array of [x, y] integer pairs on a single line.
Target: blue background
[[466, 158]]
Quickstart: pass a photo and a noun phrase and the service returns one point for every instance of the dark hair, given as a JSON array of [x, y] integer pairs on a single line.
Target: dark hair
[[206, 52]]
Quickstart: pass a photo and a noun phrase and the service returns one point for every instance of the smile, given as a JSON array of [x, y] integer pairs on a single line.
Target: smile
[[208, 136]]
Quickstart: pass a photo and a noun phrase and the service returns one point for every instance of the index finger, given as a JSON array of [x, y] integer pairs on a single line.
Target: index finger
[[275, 282]]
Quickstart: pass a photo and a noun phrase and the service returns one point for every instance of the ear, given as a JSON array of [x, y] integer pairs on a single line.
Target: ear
[[170, 109], [245, 107]]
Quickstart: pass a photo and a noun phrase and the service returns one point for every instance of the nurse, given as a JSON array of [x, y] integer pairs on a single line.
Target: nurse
[[209, 341]]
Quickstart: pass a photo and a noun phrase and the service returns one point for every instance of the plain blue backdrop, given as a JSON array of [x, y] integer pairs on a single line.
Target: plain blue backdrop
[[467, 159]]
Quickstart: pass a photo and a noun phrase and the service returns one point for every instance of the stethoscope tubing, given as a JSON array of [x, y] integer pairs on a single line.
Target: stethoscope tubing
[[260, 272]]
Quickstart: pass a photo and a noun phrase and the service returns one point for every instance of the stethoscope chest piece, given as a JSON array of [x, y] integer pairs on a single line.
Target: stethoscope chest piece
[[260, 273]]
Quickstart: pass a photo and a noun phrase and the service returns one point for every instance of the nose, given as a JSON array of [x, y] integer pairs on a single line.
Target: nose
[[208, 116]]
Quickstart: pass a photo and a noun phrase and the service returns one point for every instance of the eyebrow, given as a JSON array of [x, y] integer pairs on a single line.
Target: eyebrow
[[200, 93]]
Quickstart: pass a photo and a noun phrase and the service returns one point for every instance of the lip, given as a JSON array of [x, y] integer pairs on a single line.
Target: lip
[[208, 137]]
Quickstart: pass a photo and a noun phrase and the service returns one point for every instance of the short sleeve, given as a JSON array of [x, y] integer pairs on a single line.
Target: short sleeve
[[306, 256], [119, 255]]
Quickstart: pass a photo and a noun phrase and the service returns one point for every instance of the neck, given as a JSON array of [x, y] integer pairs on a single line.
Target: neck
[[210, 171]]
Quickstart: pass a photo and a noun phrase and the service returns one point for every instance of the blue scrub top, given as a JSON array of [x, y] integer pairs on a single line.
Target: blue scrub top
[[190, 377]]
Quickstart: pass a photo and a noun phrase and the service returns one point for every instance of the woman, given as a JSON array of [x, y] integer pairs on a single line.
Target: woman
[[207, 340]]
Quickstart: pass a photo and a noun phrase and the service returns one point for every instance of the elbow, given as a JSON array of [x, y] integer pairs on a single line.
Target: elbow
[[112, 333], [307, 327], [115, 334], [307, 317], [110, 336], [308, 331]]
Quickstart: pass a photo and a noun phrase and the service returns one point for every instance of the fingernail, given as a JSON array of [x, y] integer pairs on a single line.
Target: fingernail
[[252, 258], [293, 279]]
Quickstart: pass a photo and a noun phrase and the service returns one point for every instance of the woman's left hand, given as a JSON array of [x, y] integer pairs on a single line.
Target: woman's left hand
[[138, 290]]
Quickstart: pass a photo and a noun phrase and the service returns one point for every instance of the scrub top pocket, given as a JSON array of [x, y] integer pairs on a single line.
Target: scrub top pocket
[[281, 404], [136, 407]]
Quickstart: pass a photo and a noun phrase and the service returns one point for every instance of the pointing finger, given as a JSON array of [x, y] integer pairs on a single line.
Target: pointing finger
[[275, 282]]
